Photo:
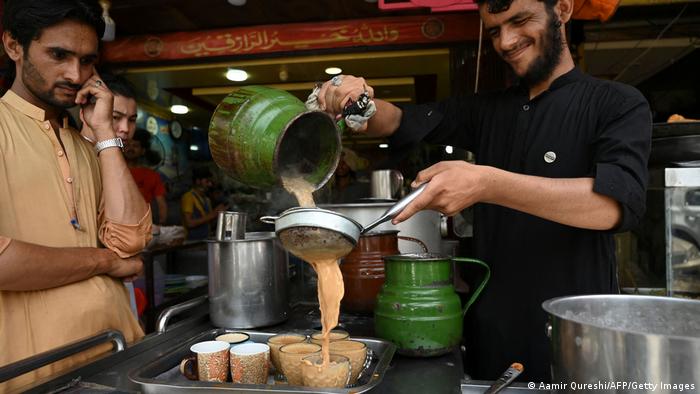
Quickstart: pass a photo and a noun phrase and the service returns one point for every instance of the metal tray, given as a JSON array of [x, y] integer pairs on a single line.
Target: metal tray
[[162, 375]]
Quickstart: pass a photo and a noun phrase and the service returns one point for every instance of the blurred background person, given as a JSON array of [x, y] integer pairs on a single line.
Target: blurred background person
[[139, 158], [197, 209], [347, 184]]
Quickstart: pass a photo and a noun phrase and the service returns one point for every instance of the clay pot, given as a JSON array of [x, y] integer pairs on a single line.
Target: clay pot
[[363, 269]]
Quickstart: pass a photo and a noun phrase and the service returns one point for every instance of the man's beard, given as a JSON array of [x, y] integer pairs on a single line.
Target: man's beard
[[552, 46], [32, 80]]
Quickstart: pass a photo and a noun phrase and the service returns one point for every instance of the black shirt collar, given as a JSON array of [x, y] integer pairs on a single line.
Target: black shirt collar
[[571, 76]]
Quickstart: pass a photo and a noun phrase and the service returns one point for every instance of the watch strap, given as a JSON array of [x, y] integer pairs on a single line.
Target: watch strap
[[109, 143]]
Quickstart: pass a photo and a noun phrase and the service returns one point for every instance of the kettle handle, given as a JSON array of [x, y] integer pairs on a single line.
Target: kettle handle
[[481, 286], [269, 219]]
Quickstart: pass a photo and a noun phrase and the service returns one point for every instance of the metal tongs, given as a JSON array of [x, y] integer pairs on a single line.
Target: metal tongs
[[396, 208]]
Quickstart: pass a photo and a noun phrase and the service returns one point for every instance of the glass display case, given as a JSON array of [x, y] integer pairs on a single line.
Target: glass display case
[[661, 256], [682, 231]]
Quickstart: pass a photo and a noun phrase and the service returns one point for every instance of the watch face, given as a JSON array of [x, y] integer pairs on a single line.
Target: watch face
[[175, 129]]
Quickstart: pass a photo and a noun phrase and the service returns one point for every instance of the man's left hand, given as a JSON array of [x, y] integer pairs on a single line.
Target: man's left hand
[[454, 185], [97, 102]]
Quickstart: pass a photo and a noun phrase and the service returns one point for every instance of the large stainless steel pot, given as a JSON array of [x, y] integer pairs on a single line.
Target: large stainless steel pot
[[622, 342], [424, 225], [248, 282]]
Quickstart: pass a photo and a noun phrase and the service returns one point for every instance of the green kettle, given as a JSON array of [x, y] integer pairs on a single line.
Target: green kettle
[[258, 134], [417, 308]]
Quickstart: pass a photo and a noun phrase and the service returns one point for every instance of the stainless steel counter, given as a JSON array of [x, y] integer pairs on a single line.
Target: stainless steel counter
[[405, 375]]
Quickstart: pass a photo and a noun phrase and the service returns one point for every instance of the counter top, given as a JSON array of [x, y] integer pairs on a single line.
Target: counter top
[[405, 374]]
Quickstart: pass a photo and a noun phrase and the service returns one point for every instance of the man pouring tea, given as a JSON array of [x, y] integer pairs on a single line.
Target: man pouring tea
[[561, 165]]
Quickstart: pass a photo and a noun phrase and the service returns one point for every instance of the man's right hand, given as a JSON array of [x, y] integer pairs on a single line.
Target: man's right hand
[[334, 96], [127, 269], [97, 102]]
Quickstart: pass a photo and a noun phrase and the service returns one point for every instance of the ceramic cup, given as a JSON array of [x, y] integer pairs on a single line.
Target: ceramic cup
[[356, 351], [290, 357], [234, 338], [211, 359], [335, 335], [250, 363], [336, 374], [277, 341]]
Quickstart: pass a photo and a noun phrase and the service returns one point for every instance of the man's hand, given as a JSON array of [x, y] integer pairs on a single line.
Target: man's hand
[[127, 269], [97, 102], [454, 185], [336, 93], [215, 212]]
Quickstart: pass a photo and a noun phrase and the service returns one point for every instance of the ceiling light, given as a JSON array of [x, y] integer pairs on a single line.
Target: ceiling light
[[236, 75], [448, 149], [383, 146], [179, 109], [237, 2], [194, 148], [334, 70]]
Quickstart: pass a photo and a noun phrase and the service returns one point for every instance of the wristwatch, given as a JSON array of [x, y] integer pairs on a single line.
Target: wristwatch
[[112, 142]]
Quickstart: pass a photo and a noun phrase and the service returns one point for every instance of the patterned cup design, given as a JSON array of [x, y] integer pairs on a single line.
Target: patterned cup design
[[277, 341], [335, 335], [355, 351], [212, 360], [250, 363], [291, 358], [337, 374]]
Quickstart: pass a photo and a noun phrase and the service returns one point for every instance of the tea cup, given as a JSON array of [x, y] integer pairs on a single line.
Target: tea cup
[[233, 338], [356, 351], [277, 341], [336, 374], [335, 335], [290, 359], [250, 363], [211, 359]]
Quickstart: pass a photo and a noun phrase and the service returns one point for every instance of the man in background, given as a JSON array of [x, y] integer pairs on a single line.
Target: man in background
[[197, 209], [62, 197], [137, 153]]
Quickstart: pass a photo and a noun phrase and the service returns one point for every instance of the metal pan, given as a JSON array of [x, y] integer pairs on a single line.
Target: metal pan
[[162, 375]]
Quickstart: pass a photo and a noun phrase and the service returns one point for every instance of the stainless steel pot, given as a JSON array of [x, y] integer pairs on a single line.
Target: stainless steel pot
[[248, 282], [627, 340], [424, 225]]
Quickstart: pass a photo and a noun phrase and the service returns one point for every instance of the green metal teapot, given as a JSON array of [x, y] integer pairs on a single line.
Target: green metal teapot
[[258, 134], [417, 308]]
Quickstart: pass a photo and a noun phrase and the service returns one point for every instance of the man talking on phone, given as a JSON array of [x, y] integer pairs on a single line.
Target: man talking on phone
[[72, 218]]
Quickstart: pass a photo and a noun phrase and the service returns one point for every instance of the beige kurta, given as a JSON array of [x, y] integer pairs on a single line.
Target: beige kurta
[[43, 187]]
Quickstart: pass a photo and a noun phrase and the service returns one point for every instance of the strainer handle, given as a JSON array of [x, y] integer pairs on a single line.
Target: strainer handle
[[269, 219]]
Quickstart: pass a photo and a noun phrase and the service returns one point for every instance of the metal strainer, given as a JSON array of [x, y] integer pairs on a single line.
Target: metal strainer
[[315, 232]]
